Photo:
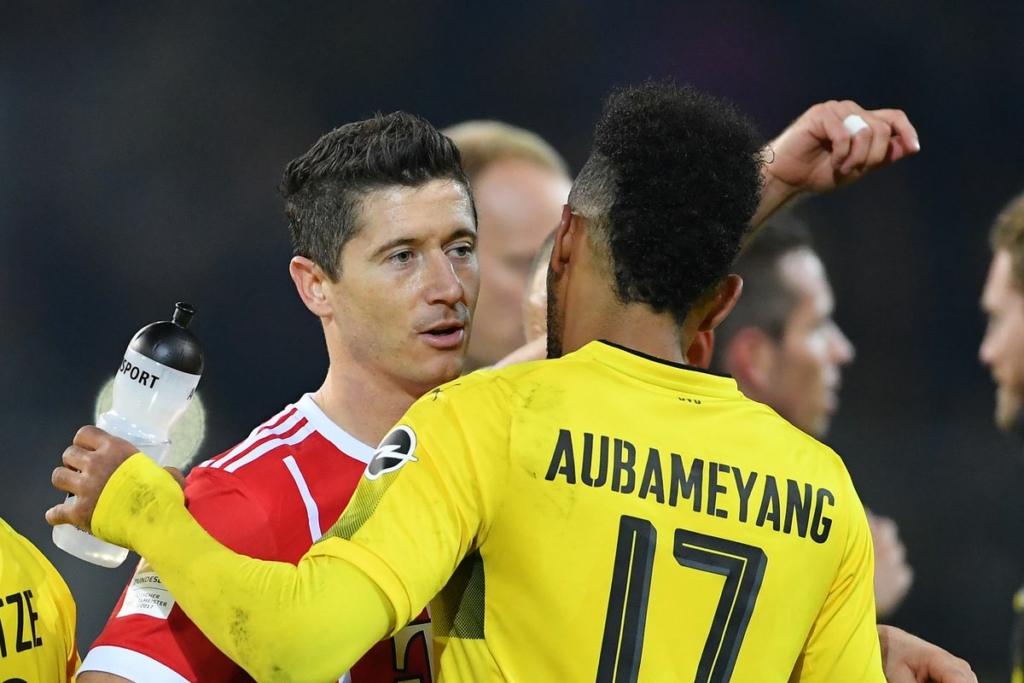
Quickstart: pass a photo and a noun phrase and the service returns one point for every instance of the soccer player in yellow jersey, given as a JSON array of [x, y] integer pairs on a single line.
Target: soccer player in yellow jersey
[[611, 515], [37, 615]]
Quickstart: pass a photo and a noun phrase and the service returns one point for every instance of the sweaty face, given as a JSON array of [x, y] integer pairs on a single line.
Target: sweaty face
[[805, 376], [407, 287], [519, 204], [1002, 348]]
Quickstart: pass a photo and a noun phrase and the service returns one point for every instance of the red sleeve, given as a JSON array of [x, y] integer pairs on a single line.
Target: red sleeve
[[148, 637]]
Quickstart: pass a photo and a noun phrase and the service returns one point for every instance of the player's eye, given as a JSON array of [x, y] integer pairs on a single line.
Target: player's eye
[[462, 249], [401, 257]]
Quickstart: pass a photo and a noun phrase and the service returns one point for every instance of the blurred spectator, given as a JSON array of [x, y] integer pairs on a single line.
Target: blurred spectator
[[1002, 350], [520, 184]]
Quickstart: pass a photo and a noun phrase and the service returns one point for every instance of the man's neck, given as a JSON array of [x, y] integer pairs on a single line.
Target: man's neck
[[364, 406], [633, 326]]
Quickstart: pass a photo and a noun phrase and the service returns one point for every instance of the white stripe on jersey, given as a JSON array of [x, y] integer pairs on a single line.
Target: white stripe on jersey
[[264, 431], [312, 511], [269, 445]]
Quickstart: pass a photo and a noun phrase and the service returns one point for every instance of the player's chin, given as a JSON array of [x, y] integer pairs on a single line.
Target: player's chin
[[1009, 409], [440, 366]]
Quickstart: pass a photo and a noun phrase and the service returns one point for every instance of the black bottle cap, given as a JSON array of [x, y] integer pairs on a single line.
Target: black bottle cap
[[170, 343]]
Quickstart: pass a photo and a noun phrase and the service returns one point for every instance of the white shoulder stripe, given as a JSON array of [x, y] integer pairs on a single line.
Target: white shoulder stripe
[[333, 432], [129, 664], [257, 435], [312, 511], [268, 445]]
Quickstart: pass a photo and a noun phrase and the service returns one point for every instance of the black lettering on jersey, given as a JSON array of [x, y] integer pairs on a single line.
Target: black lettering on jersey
[[797, 506], [769, 511], [22, 642], [714, 488], [822, 525], [587, 473], [744, 489], [652, 482], [3, 638], [33, 617], [393, 453], [680, 483], [611, 463], [562, 460], [625, 459]]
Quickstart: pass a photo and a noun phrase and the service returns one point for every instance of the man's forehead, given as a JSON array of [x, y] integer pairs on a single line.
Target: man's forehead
[[1000, 286], [436, 201], [804, 272]]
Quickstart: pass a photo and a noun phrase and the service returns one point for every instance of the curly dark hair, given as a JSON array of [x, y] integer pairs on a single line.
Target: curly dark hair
[[670, 186], [324, 187]]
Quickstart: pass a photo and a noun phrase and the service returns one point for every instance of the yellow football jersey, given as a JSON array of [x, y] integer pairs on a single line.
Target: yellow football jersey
[[37, 615], [606, 516], [610, 516]]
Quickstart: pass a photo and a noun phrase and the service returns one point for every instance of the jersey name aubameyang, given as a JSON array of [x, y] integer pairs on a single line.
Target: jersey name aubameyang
[[601, 461]]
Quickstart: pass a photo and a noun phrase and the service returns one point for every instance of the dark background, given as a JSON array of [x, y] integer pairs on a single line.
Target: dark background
[[140, 147]]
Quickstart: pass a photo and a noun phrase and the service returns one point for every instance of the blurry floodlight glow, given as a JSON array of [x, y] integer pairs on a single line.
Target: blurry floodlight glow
[[186, 434]]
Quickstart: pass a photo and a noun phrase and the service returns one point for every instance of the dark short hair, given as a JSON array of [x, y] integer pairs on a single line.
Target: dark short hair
[[323, 189], [669, 188], [767, 300]]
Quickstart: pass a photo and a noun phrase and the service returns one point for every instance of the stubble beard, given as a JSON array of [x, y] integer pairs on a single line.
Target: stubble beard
[[1010, 411], [554, 326]]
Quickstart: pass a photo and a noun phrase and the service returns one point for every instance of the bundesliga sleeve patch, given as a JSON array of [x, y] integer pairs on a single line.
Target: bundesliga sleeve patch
[[393, 453], [146, 594]]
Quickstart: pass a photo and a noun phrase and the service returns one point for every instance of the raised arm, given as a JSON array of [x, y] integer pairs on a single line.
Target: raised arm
[[818, 153]]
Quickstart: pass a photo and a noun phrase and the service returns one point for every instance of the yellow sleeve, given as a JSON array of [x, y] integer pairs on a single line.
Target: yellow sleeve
[[421, 507], [278, 621], [429, 505], [843, 642]]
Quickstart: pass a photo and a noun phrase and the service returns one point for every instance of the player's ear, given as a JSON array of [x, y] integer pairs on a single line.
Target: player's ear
[[722, 301], [750, 357], [562, 248], [310, 282], [701, 350]]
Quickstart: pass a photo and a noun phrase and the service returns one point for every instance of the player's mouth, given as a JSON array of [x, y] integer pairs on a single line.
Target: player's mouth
[[445, 335]]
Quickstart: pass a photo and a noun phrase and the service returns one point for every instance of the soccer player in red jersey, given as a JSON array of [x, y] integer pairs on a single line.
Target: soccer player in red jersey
[[384, 234]]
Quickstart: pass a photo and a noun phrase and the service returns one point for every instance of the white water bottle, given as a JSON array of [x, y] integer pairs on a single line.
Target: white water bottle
[[153, 387]]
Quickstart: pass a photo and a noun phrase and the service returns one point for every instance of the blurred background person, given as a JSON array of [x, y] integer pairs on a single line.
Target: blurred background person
[[1002, 351], [519, 184], [784, 349], [37, 615]]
